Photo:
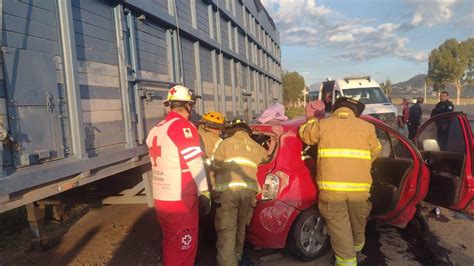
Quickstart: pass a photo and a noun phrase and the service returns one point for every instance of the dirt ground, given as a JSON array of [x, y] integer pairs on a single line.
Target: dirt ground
[[129, 235]]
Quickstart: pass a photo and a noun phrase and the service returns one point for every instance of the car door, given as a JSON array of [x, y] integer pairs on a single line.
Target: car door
[[400, 178], [445, 142]]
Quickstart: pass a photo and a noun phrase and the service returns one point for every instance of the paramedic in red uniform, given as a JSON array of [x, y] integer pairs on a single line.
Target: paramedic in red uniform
[[179, 178]]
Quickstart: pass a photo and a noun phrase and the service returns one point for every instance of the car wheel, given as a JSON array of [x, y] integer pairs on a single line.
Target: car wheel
[[308, 238]]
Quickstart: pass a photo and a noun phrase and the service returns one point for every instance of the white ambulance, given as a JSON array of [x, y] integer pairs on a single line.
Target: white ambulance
[[363, 89]]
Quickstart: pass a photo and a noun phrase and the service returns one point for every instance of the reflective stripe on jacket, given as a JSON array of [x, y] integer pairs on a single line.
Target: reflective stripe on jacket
[[344, 153], [343, 186], [237, 158], [347, 146]]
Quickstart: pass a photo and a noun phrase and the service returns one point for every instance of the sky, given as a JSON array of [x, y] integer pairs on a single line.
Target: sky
[[381, 38]]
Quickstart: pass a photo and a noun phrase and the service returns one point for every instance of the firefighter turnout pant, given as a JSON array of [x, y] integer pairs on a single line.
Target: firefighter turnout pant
[[179, 226], [346, 216], [234, 212]]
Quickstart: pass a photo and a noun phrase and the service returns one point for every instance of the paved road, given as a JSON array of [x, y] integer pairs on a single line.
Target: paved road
[[129, 235]]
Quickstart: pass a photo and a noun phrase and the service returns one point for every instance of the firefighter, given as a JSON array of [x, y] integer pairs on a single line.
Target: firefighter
[[178, 178], [236, 159], [347, 146], [209, 131]]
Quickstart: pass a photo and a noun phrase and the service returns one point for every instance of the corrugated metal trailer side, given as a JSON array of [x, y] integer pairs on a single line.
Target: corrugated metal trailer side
[[83, 81]]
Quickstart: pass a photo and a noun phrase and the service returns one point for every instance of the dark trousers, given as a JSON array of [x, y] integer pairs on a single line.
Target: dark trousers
[[412, 129]]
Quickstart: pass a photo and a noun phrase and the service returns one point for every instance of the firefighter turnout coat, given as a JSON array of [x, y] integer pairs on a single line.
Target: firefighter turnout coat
[[237, 158], [345, 154], [209, 139]]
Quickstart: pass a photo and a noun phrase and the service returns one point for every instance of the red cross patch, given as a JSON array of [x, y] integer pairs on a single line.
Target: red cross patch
[[155, 150], [186, 241], [187, 133], [173, 91]]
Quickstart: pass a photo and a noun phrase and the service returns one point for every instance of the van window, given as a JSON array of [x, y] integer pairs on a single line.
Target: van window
[[327, 98], [367, 95], [313, 95]]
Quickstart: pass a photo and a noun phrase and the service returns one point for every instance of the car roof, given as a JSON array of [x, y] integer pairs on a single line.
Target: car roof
[[294, 124], [287, 125]]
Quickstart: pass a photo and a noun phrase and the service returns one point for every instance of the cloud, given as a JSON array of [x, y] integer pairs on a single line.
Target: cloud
[[303, 22], [343, 37], [429, 12]]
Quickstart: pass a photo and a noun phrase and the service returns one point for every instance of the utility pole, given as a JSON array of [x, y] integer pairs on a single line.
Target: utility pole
[[304, 95], [425, 92]]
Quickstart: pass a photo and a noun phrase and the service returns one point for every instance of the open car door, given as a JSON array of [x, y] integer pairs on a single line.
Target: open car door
[[445, 142], [400, 178]]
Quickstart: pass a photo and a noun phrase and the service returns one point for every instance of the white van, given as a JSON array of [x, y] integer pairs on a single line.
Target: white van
[[363, 89]]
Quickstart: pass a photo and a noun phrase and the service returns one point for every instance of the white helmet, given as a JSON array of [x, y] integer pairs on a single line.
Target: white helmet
[[181, 94]]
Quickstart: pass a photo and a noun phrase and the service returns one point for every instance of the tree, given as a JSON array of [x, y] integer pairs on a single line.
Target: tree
[[451, 63], [293, 85]]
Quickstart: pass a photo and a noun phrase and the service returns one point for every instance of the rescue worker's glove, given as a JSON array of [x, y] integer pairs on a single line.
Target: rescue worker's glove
[[205, 202]]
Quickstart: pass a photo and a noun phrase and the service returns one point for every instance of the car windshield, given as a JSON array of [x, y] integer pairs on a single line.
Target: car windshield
[[367, 95]]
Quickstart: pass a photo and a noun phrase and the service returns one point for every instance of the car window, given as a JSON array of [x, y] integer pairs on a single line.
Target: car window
[[400, 150], [367, 95], [264, 140], [442, 134], [384, 140]]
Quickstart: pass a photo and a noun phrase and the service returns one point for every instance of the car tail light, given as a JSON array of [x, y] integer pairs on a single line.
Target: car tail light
[[274, 183], [270, 187]]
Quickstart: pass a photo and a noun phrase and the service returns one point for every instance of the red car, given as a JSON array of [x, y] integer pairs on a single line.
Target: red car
[[436, 168]]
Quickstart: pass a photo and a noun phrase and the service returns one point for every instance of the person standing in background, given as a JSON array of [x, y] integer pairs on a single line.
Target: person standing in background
[[403, 117], [414, 118], [444, 105]]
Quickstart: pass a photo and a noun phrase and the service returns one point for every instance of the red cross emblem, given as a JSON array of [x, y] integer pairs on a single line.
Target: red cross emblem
[[187, 133], [155, 150], [186, 240], [173, 91]]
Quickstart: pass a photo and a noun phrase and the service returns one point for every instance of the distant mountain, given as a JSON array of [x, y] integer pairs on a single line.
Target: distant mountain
[[415, 86], [417, 81]]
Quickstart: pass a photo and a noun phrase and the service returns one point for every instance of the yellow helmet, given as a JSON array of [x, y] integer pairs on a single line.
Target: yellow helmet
[[213, 117]]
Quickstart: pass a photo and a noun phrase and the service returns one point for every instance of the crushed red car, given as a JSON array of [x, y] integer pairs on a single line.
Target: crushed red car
[[437, 168]]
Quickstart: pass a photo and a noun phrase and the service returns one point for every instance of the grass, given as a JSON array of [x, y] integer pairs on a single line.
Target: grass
[[294, 112]]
